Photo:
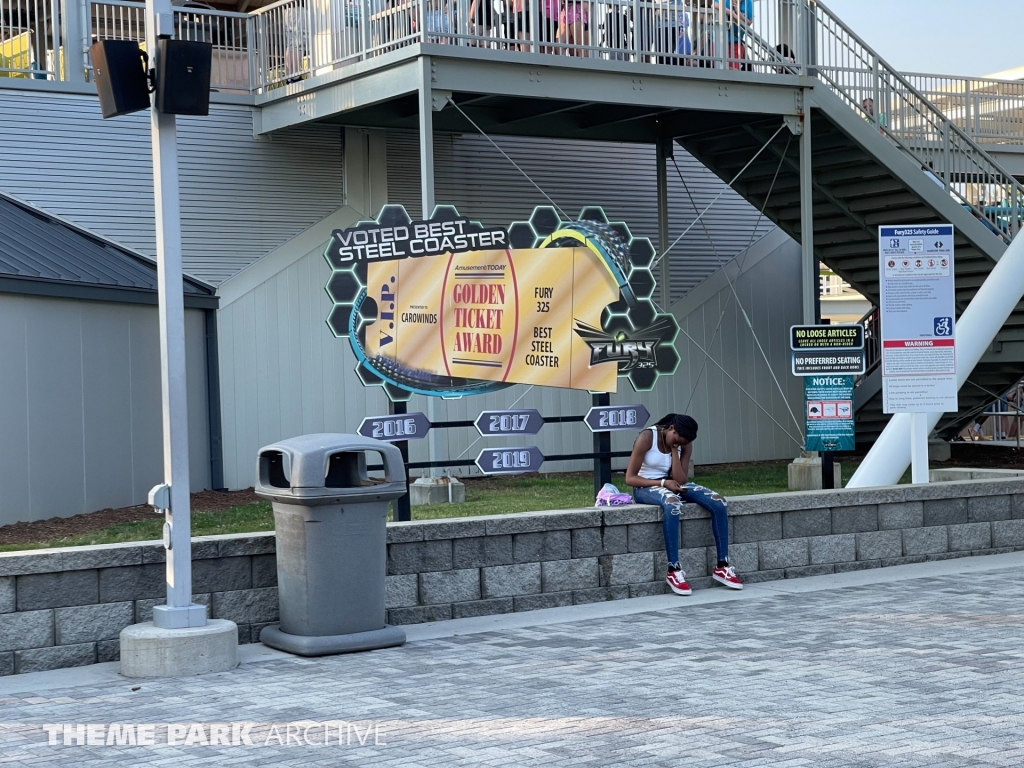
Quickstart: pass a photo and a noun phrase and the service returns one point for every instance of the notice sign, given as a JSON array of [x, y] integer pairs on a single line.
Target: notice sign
[[828, 411], [848, 336], [918, 313], [817, 363]]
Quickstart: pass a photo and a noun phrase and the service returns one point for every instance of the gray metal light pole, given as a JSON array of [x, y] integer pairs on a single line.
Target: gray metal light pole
[[173, 497]]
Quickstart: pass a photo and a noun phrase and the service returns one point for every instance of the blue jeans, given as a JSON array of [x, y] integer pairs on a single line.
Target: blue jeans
[[672, 506]]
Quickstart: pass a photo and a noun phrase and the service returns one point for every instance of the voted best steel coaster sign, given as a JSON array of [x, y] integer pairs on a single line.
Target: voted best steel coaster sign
[[610, 418], [526, 421], [403, 426], [509, 461]]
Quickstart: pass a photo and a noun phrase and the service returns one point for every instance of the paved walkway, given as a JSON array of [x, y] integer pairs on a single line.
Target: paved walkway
[[913, 666]]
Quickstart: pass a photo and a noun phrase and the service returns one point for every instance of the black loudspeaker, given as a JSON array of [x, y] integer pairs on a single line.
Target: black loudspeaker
[[183, 77], [120, 71]]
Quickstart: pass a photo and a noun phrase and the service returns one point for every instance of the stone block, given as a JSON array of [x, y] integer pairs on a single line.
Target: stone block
[[806, 522], [57, 590], [510, 580], [518, 523], [58, 657], [822, 569], [462, 528], [634, 568], [420, 615], [574, 518], [646, 537], [860, 565], [540, 546], [784, 553], [108, 650], [660, 563], [7, 603], [696, 533], [875, 545], [401, 591], [633, 513], [945, 511], [6, 663], [264, 571], [568, 575], [239, 545], [144, 608], [539, 602], [450, 586], [481, 551], [841, 548], [616, 540], [1017, 508], [649, 589], [483, 608], [30, 629], [222, 574], [20, 563], [758, 577], [1005, 533], [203, 548], [420, 556], [102, 556], [888, 562], [766, 526], [971, 536], [600, 594], [244, 634], [587, 542], [246, 606], [89, 623], [907, 514], [701, 582], [404, 531], [855, 519], [948, 555], [981, 509], [805, 474], [133, 582], [693, 560], [926, 541]]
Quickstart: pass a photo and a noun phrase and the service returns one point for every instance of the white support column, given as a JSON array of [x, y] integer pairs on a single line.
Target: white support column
[[977, 327], [73, 38], [179, 612], [919, 448], [808, 262], [435, 437]]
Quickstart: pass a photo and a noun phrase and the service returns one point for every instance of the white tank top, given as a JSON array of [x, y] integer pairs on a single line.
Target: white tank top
[[656, 465]]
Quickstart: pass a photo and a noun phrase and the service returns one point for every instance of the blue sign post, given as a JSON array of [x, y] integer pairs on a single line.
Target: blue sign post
[[828, 413]]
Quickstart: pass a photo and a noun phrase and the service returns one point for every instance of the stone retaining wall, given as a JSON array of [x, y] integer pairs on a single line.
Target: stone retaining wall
[[66, 607]]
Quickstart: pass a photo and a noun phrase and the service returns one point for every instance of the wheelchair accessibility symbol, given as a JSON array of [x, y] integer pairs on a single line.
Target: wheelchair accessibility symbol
[[943, 326]]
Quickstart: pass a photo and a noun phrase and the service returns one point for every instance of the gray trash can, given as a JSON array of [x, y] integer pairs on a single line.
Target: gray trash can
[[331, 521]]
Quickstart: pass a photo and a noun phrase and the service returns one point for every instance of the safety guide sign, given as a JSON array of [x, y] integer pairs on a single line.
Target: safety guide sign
[[918, 303]]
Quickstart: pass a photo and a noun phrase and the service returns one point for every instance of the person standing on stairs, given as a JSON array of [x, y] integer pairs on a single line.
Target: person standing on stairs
[[657, 472]]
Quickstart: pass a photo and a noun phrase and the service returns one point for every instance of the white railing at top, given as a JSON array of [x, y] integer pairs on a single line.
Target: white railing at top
[[30, 39], [887, 99], [989, 111], [230, 33]]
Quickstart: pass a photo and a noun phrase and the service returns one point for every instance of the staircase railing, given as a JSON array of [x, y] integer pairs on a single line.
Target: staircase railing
[[888, 100], [989, 111], [872, 340]]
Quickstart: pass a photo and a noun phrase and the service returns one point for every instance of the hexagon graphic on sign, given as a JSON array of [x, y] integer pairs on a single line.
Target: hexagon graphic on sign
[[509, 461], [395, 427], [611, 418], [526, 421]]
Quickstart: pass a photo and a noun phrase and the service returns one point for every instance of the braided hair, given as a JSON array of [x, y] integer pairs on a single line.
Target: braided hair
[[685, 426]]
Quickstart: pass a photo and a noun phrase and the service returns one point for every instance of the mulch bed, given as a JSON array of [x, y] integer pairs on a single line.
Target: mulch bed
[[65, 527]]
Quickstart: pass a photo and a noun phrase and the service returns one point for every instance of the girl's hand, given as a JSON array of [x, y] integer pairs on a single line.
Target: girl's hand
[[673, 486]]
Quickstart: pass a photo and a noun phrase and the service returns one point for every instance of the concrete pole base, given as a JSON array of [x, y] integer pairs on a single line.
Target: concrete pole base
[[437, 490], [301, 645], [805, 474], [150, 651]]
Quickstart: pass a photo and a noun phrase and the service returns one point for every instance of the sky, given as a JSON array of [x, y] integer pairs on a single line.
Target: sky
[[944, 37]]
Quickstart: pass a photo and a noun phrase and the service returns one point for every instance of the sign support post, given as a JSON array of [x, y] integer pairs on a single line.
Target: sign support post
[[602, 447], [919, 448], [403, 504]]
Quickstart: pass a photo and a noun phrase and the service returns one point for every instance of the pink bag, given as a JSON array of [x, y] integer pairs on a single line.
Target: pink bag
[[610, 496]]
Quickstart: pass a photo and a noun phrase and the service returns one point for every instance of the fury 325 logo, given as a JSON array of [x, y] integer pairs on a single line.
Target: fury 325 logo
[[629, 350]]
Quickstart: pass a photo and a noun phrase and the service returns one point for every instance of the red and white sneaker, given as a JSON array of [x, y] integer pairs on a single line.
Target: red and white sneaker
[[677, 583], [727, 576]]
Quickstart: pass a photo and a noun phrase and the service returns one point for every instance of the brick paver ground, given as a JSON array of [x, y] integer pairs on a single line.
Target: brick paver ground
[[926, 672]]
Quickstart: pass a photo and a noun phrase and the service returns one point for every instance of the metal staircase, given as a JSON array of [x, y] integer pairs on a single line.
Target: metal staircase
[[882, 154]]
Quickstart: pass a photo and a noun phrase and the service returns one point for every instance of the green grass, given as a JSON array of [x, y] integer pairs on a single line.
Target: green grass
[[484, 496]]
